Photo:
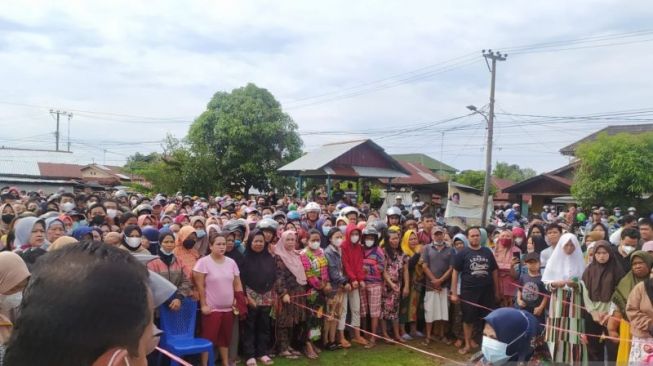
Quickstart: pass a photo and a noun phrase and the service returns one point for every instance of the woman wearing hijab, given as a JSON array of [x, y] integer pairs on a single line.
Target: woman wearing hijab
[[639, 309], [14, 276], [152, 236], [258, 273], [565, 323], [519, 238], [83, 233], [132, 240], [316, 268], [507, 255], [8, 215], [30, 233], [599, 282], [146, 220], [507, 336], [641, 264], [352, 263], [290, 286], [202, 243], [62, 242], [185, 248], [54, 229], [171, 269], [412, 306]]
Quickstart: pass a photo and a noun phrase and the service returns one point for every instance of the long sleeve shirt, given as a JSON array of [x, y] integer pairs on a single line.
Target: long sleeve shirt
[[336, 272], [640, 311], [316, 267], [374, 265], [352, 261]]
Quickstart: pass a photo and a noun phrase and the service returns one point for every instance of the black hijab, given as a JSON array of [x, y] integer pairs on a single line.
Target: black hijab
[[602, 279], [258, 270]]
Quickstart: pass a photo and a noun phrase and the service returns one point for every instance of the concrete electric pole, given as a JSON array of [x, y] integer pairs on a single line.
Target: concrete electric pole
[[57, 134], [494, 56]]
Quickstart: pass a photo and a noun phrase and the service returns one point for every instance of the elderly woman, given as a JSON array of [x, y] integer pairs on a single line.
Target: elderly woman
[[30, 233], [618, 325], [132, 240], [639, 309], [54, 229]]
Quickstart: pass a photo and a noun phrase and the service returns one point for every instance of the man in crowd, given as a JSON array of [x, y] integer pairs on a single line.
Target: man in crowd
[[479, 279]]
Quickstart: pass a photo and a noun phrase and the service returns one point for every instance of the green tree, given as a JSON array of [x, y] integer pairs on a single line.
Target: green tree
[[513, 172], [614, 170], [244, 137], [176, 169]]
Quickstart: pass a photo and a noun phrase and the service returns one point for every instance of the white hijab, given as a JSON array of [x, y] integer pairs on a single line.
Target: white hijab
[[563, 267]]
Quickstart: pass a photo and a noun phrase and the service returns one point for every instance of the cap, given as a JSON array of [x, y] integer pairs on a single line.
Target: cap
[[438, 229], [532, 257], [398, 198]]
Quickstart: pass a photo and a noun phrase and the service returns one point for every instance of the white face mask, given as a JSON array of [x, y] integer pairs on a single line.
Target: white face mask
[[112, 213], [518, 241], [337, 243], [314, 245], [627, 249], [133, 242], [369, 243], [342, 228], [354, 239], [68, 206]]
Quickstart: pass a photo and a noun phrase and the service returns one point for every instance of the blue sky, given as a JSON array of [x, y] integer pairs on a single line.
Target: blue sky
[[162, 61]]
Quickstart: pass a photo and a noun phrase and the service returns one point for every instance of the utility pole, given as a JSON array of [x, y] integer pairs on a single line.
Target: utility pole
[[494, 56], [70, 116], [57, 134]]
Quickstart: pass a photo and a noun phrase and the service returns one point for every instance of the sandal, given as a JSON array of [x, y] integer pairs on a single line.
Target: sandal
[[294, 352], [344, 343], [464, 350], [370, 344], [288, 355], [251, 362], [266, 360], [311, 355]]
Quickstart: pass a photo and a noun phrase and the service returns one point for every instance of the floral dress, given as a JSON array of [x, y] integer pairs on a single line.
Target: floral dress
[[412, 307], [391, 298]]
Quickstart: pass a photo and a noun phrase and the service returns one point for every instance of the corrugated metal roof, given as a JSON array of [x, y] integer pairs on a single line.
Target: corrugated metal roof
[[44, 156], [372, 172], [317, 159], [426, 161], [17, 167], [35, 180]]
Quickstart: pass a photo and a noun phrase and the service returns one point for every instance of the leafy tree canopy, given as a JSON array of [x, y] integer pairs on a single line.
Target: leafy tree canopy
[[614, 170], [513, 172], [473, 178], [245, 137]]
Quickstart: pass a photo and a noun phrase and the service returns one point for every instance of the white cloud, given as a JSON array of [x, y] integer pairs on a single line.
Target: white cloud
[[166, 59]]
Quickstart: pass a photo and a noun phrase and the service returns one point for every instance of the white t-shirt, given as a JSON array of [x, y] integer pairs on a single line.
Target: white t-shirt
[[219, 282]]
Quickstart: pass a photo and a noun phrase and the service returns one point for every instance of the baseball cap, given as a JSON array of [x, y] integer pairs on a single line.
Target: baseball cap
[[532, 257], [438, 229]]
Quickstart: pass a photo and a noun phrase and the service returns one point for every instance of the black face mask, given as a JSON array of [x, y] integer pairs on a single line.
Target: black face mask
[[7, 218], [189, 243], [98, 220]]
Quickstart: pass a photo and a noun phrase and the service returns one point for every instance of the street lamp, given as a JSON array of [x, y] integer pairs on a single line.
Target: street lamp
[[488, 164]]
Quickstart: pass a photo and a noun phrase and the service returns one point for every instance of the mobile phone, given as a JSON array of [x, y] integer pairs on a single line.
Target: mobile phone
[[516, 255]]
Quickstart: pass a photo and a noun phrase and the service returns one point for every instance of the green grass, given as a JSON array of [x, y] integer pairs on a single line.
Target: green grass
[[382, 354]]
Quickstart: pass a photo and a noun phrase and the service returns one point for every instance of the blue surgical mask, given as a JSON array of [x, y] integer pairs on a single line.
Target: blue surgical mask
[[325, 230], [200, 233]]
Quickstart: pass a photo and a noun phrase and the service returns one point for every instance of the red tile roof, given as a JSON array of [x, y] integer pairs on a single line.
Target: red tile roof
[[55, 170], [419, 175], [502, 183]]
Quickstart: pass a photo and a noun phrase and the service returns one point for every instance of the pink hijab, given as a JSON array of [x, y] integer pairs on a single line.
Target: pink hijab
[[290, 258], [12, 271]]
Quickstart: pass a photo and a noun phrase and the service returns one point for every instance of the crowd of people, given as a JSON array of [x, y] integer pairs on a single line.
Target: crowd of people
[[277, 277]]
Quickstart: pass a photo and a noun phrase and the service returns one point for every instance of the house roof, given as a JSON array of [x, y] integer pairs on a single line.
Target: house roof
[[555, 182], [53, 170], [426, 161], [501, 183], [610, 130], [419, 175], [359, 158]]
